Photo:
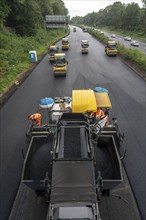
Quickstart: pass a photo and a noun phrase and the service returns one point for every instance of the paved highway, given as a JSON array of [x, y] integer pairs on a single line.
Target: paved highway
[[127, 44], [127, 93]]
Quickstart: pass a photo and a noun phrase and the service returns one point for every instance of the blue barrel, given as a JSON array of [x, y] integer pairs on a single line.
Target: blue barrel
[[100, 89], [46, 102]]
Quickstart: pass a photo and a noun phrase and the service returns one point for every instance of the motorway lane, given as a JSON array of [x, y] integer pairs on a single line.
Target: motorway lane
[[120, 39], [127, 93]]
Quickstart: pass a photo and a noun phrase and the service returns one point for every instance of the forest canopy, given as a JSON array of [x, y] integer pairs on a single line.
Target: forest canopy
[[119, 16], [26, 16]]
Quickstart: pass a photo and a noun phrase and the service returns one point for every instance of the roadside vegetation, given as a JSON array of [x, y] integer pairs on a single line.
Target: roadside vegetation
[[138, 35], [132, 55], [126, 18], [22, 30], [14, 53]]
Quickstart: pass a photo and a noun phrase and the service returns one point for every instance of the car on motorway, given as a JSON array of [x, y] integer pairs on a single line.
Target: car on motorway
[[113, 35], [134, 43], [127, 38]]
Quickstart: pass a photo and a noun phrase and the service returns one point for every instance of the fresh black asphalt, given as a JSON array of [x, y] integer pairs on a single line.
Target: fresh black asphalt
[[128, 96]]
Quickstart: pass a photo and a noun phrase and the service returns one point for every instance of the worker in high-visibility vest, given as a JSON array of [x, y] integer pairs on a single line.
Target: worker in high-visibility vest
[[35, 119], [99, 114]]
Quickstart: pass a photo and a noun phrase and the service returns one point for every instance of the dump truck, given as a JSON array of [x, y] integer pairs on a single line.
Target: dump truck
[[53, 49], [84, 46], [65, 44], [60, 64], [74, 175], [111, 49]]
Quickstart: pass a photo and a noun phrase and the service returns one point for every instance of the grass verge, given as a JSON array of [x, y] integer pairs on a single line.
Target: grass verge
[[14, 53], [136, 35], [132, 55]]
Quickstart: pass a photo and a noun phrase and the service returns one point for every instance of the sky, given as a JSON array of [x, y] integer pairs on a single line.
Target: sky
[[83, 7]]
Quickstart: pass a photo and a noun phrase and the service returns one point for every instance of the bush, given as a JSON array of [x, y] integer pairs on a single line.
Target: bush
[[14, 52], [100, 36], [133, 55]]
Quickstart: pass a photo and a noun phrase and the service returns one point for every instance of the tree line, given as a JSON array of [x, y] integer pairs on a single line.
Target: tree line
[[118, 16], [25, 17]]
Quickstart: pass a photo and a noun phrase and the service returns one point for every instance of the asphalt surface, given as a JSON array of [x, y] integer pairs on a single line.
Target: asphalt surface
[[128, 96], [120, 39]]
